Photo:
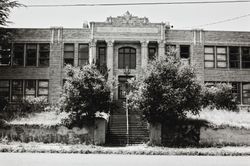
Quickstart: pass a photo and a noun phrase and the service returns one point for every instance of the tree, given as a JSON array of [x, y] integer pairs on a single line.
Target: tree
[[86, 92], [5, 7], [168, 92]]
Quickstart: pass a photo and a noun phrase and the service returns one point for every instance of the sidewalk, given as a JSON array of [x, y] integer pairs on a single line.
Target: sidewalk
[[34, 147]]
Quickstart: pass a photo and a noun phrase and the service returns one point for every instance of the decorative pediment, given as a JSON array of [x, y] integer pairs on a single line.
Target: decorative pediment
[[126, 19]]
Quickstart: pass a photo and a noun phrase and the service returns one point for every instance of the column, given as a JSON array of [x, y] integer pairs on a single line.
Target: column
[[161, 48], [110, 65], [92, 52], [144, 54]]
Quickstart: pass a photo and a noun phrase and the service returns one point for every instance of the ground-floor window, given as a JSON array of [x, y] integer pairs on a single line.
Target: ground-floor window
[[5, 89], [17, 90], [246, 93]]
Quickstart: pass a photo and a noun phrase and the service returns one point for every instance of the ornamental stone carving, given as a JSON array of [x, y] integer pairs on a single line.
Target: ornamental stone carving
[[126, 19]]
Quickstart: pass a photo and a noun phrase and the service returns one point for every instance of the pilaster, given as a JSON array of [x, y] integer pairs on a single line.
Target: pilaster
[[92, 51], [144, 54], [161, 48]]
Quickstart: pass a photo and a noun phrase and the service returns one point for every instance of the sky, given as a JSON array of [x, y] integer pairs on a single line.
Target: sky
[[180, 16]]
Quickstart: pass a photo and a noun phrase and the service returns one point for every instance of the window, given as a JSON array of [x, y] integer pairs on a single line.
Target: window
[[5, 54], [69, 54], [152, 53], [5, 89], [30, 88], [31, 54], [246, 93], [83, 54], [221, 54], [209, 57], [18, 57], [44, 51], [43, 88], [184, 52], [102, 56], [245, 57], [17, 90], [236, 90], [234, 57], [127, 58]]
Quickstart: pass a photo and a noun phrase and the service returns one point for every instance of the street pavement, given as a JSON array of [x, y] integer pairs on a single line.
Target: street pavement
[[50, 159]]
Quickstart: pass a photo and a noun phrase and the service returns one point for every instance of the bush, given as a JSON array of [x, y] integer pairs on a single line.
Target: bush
[[3, 103], [219, 96], [86, 92], [27, 106], [167, 93]]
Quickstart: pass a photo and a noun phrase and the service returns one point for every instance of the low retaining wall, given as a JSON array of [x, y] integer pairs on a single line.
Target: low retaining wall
[[198, 134], [56, 134], [224, 136]]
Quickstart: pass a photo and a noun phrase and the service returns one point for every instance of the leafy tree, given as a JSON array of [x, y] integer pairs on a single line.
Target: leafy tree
[[168, 92], [86, 92], [5, 7]]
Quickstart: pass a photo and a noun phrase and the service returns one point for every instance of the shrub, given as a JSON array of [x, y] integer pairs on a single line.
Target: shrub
[[27, 106], [219, 96], [86, 92], [3, 103]]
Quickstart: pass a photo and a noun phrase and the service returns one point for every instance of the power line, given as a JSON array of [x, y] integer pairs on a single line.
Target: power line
[[141, 3], [221, 21]]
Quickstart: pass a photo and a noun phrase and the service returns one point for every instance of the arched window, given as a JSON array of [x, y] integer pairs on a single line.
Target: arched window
[[127, 57]]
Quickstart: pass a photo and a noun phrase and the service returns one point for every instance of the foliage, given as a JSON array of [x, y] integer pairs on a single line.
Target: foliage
[[219, 96], [168, 92], [28, 106], [5, 7], [3, 103], [86, 92]]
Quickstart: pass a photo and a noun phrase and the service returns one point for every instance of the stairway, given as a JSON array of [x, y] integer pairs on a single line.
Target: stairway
[[117, 129]]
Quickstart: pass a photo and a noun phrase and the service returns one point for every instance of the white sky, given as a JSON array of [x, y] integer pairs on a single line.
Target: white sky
[[180, 16]]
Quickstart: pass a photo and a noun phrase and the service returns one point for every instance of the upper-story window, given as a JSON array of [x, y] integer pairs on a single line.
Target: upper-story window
[[245, 57], [127, 58], [184, 51], [31, 54], [44, 51], [209, 57], [5, 54], [83, 54], [152, 51], [102, 56], [234, 57], [69, 54], [221, 54], [18, 55]]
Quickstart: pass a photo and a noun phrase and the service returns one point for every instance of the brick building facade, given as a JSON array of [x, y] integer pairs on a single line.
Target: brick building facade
[[33, 64]]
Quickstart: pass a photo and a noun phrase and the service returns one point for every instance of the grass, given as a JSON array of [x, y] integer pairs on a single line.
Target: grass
[[131, 150], [218, 118]]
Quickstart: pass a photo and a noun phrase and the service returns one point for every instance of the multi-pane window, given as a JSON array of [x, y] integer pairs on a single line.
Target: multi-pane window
[[30, 88], [17, 90], [245, 57], [83, 54], [43, 88], [5, 89], [44, 51], [236, 90], [31, 54], [5, 54], [184, 51], [209, 57], [127, 58], [221, 54], [69, 54], [152, 53], [246, 93], [234, 57], [18, 55]]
